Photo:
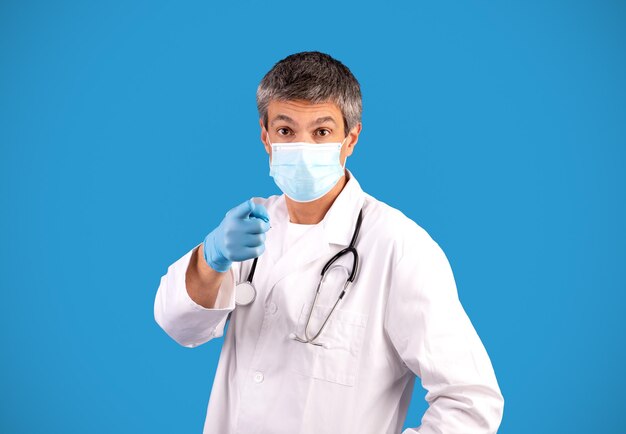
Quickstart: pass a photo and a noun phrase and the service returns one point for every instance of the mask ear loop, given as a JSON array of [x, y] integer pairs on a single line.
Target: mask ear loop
[[269, 158], [346, 160]]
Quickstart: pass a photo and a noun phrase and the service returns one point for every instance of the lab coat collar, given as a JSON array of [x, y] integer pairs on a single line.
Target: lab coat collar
[[340, 219]]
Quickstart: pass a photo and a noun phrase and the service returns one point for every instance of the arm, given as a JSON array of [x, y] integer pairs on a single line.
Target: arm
[[436, 340], [192, 304], [202, 281], [198, 292]]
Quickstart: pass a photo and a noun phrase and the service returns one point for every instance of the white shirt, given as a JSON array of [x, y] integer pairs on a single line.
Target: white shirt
[[402, 318], [293, 234]]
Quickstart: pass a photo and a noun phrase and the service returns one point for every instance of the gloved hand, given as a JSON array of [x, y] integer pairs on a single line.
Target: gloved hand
[[240, 236]]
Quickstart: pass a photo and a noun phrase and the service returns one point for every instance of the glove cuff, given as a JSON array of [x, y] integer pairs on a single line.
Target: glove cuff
[[212, 257]]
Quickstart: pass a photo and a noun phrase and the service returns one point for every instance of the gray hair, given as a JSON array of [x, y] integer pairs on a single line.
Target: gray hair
[[314, 77]]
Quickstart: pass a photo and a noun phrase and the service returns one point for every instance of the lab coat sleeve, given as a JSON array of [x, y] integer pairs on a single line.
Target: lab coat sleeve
[[434, 337], [185, 321]]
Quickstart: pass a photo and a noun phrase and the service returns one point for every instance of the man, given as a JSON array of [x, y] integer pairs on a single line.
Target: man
[[293, 362]]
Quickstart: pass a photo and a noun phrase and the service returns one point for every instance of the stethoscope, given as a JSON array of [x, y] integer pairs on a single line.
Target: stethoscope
[[245, 292]]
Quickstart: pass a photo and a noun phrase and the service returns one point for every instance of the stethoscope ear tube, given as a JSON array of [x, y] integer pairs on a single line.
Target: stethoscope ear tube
[[251, 273], [355, 262], [349, 249]]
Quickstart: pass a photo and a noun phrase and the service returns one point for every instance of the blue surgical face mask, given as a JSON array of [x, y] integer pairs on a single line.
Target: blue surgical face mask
[[306, 171]]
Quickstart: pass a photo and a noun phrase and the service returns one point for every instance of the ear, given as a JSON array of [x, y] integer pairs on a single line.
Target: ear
[[353, 138], [264, 134]]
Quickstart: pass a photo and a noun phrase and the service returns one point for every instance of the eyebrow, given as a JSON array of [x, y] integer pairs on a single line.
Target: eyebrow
[[282, 118], [318, 121], [324, 120]]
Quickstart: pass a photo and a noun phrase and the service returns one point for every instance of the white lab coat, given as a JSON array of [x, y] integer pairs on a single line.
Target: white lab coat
[[401, 318]]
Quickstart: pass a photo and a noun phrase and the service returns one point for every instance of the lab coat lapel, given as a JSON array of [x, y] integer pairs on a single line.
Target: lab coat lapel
[[311, 246]]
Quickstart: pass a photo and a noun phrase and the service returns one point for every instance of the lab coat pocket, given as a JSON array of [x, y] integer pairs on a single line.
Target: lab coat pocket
[[337, 360]]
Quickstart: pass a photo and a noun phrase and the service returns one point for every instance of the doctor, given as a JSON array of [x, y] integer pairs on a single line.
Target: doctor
[[340, 357]]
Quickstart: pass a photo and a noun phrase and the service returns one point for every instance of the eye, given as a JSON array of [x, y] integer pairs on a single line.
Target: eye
[[283, 131], [323, 132]]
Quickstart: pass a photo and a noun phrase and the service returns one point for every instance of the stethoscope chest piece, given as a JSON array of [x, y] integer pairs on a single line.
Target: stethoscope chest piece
[[244, 293]]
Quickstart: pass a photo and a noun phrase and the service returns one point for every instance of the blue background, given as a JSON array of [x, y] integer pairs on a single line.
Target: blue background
[[127, 130]]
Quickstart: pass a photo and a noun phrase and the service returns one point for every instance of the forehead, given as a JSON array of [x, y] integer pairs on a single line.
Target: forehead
[[300, 110]]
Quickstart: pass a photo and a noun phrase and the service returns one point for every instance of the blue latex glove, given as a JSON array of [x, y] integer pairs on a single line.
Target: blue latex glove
[[240, 236]]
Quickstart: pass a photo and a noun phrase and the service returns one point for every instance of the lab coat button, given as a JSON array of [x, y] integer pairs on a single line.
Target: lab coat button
[[272, 308], [258, 377]]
